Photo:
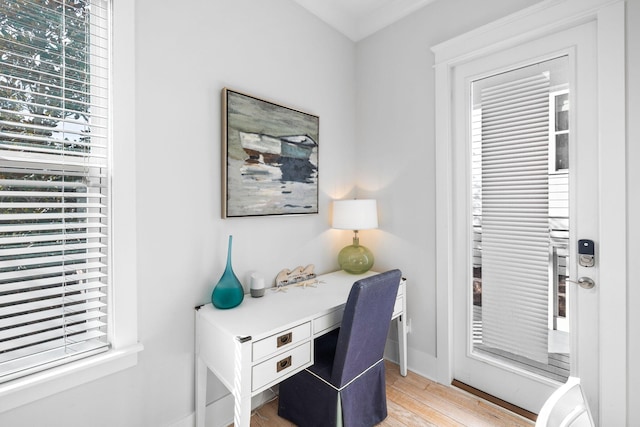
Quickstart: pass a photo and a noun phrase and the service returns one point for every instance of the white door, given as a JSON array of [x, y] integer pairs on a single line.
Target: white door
[[501, 339]]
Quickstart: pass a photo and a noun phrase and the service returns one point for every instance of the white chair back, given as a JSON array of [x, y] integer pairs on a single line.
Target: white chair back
[[566, 407]]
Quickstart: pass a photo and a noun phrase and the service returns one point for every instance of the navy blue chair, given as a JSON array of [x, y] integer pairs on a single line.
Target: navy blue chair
[[346, 384]]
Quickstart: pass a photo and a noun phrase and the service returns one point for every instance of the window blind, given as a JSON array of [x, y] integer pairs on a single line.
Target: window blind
[[515, 216], [54, 183]]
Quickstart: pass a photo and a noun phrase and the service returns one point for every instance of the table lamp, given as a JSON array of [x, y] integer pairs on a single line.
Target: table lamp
[[355, 215]]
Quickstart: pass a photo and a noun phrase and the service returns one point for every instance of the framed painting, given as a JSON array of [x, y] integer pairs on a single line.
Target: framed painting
[[269, 158]]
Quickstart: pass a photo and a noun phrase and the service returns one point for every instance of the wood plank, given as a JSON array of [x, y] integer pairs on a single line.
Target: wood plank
[[417, 410], [401, 417]]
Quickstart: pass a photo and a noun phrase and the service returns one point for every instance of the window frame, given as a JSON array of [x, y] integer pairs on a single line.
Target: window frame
[[123, 329]]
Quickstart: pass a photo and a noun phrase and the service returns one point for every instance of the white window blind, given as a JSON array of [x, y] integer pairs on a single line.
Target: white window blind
[[54, 182], [515, 216]]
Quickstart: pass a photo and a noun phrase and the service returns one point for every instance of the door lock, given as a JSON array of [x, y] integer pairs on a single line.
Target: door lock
[[586, 253]]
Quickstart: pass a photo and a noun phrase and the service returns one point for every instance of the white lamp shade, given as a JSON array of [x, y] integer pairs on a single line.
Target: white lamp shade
[[355, 214]]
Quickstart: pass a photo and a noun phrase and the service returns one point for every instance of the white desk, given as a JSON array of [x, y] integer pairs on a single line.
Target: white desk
[[264, 340]]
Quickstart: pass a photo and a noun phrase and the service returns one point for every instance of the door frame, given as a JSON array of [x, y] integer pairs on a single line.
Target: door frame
[[529, 24]]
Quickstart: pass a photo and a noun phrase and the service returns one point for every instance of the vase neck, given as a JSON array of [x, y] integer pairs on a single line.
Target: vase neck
[[229, 252]]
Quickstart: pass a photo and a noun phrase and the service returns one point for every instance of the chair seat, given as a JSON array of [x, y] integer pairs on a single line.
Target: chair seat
[[324, 354]]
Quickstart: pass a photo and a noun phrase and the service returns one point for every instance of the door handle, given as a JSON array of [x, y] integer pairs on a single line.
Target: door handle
[[584, 282]]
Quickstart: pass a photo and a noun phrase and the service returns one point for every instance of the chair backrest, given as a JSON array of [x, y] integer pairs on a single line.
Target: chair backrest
[[567, 406], [365, 325]]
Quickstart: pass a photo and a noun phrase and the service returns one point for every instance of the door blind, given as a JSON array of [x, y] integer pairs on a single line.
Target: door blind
[[515, 212], [54, 183]]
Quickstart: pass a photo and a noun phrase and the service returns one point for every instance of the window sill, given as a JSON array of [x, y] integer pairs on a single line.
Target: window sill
[[42, 384]]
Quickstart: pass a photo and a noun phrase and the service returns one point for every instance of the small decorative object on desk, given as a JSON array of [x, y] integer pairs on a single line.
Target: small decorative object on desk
[[257, 285], [229, 292], [299, 276]]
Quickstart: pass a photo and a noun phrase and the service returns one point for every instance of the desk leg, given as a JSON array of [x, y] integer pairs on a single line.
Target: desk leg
[[402, 344], [242, 411], [201, 391], [242, 383]]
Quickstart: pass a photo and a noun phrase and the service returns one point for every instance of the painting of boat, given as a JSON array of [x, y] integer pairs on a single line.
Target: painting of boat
[[273, 148], [269, 158]]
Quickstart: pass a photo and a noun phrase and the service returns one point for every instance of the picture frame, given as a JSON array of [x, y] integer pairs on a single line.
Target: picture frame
[[269, 158]]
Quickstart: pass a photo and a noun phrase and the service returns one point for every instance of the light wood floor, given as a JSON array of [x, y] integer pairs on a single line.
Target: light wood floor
[[417, 401]]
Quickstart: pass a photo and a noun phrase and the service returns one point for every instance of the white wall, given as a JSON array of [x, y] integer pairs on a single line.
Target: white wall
[[186, 52]]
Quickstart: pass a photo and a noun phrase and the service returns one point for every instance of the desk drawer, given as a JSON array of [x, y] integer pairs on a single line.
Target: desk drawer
[[328, 321], [283, 365], [279, 342]]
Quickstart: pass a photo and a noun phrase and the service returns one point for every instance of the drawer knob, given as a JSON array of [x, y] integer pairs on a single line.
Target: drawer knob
[[283, 364], [284, 339]]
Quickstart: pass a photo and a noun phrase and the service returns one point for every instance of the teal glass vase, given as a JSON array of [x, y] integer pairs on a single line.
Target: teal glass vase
[[228, 292]]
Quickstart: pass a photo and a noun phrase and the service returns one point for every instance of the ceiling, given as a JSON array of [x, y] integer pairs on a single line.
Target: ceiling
[[358, 19]]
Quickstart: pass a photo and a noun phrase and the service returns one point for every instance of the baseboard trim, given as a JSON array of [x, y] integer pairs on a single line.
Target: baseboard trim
[[496, 401]]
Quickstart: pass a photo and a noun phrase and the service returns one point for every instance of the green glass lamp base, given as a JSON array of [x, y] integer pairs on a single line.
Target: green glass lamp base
[[355, 259]]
